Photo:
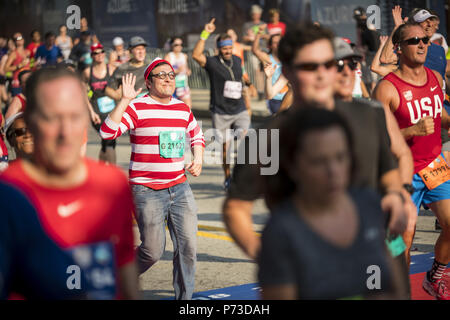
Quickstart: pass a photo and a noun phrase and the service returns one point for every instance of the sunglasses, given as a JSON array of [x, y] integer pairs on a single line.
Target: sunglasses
[[416, 40], [98, 52], [163, 75], [352, 64], [312, 66], [20, 132], [19, 38]]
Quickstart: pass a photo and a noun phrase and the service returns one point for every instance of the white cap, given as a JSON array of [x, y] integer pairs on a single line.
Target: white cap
[[11, 120], [423, 15], [117, 41]]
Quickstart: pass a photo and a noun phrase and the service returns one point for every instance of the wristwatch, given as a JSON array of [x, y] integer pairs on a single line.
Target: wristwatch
[[408, 187]]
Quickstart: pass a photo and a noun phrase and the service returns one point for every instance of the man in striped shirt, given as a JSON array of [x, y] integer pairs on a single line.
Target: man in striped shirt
[[158, 127]]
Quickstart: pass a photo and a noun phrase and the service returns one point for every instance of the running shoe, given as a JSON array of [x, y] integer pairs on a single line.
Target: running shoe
[[437, 289]]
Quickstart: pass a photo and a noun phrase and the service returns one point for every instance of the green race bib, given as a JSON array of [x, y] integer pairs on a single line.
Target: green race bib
[[171, 144], [180, 81], [395, 245]]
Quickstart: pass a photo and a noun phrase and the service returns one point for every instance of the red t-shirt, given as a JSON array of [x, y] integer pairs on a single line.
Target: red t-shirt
[[417, 102], [99, 210], [276, 28], [32, 47]]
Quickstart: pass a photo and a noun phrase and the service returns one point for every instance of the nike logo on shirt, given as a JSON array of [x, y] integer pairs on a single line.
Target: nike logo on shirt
[[65, 211], [433, 88]]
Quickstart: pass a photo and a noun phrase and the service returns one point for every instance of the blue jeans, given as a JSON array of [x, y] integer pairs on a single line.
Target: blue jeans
[[176, 205]]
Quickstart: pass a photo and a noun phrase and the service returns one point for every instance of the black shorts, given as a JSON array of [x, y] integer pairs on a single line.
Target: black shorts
[[105, 143]]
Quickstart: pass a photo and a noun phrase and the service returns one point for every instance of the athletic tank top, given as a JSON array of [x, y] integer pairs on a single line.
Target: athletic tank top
[[65, 47], [15, 83], [357, 91], [23, 101], [276, 76], [178, 62], [98, 87], [417, 102]]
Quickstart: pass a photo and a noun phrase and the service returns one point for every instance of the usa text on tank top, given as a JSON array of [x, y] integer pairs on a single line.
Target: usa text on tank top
[[417, 102]]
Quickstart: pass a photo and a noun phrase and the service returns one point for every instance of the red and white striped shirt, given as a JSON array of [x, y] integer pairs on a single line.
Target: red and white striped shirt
[[146, 118]]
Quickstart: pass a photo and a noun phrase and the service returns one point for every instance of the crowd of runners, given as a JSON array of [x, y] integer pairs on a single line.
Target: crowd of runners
[[360, 128]]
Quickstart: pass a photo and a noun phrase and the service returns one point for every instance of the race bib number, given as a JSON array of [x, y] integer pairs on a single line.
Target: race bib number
[[180, 81], [171, 144], [97, 265], [436, 173], [232, 89], [106, 104]]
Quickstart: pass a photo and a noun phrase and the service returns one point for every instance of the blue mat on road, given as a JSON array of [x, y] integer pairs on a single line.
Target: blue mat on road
[[419, 263]]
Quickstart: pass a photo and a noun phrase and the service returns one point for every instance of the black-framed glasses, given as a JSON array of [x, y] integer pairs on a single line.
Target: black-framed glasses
[[20, 131], [313, 66], [416, 40], [163, 75], [352, 64]]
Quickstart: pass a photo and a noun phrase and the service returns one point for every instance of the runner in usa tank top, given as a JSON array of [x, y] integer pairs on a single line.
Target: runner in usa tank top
[[417, 102]]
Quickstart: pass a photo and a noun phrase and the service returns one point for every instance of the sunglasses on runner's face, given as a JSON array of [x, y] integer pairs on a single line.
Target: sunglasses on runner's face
[[20, 132], [163, 75], [313, 66], [416, 40], [98, 52], [352, 64]]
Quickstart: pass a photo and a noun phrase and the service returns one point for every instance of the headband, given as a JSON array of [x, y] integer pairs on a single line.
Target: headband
[[153, 64], [224, 43]]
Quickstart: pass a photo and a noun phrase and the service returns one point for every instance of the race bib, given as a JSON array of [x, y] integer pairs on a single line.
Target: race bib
[[436, 173], [180, 92], [86, 58], [232, 89], [180, 81], [106, 104], [141, 94], [396, 245], [171, 144], [96, 263]]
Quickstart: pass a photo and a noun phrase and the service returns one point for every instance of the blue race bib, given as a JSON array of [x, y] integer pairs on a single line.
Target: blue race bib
[[106, 104]]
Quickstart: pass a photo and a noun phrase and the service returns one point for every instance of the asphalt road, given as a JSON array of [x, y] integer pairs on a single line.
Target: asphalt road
[[220, 263]]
